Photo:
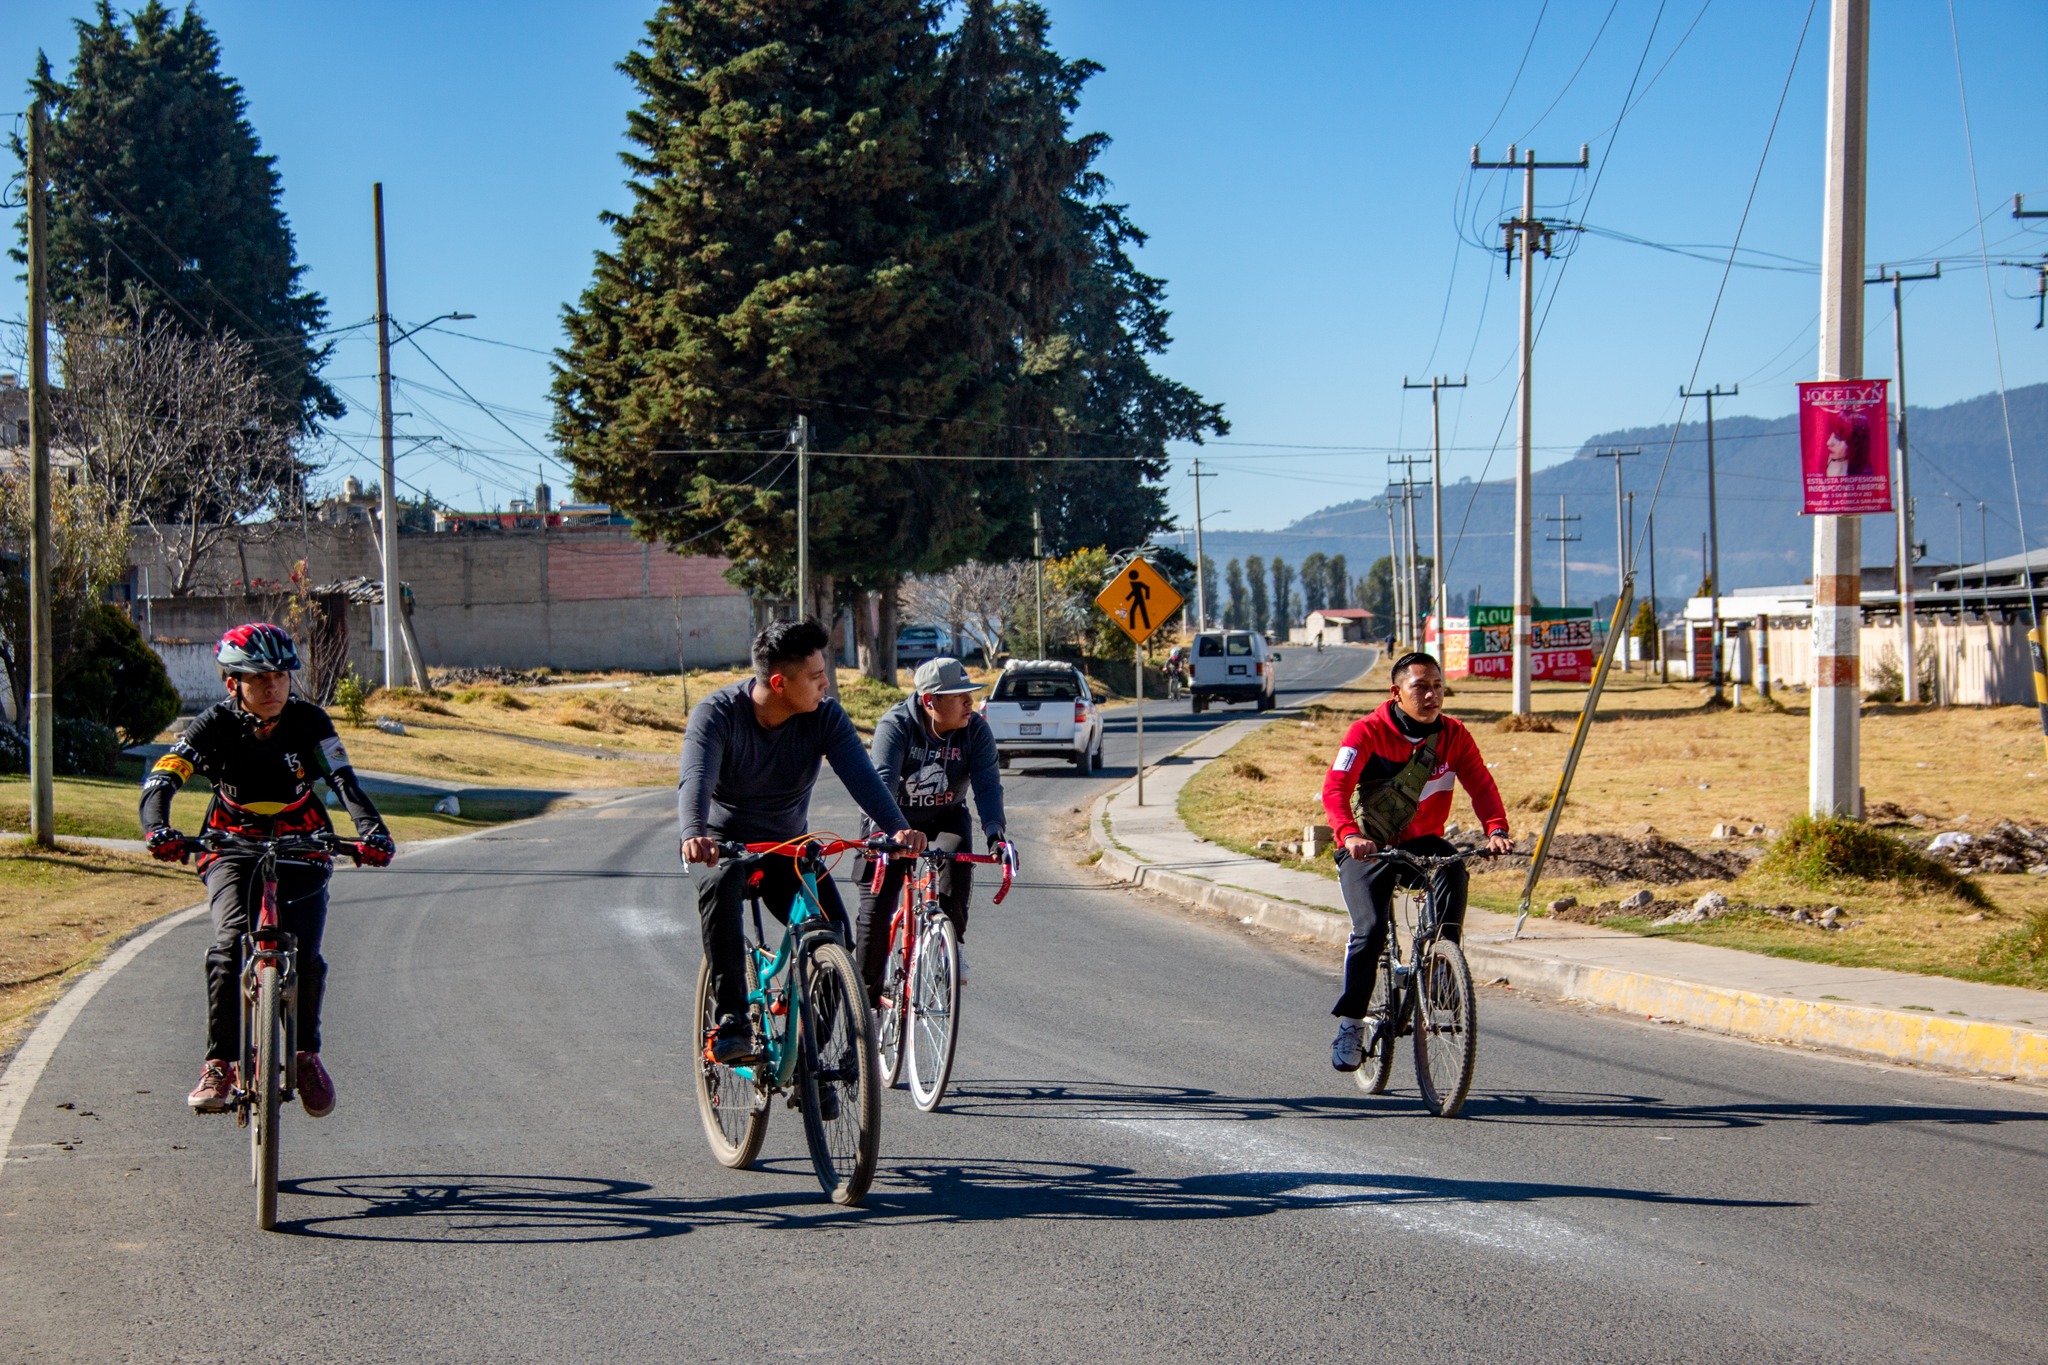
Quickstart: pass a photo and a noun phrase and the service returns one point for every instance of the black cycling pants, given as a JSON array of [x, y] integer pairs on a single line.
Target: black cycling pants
[[956, 884], [234, 888], [722, 893], [1369, 893]]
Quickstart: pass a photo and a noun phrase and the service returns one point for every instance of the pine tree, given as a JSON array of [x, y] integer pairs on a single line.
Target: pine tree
[[1314, 582], [1236, 610], [1336, 574], [1255, 586], [1283, 599], [160, 192]]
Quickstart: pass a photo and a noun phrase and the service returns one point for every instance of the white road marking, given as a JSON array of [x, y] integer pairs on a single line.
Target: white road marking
[[644, 924]]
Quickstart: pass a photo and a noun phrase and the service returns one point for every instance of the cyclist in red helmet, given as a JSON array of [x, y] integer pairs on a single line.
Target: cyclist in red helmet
[[263, 749]]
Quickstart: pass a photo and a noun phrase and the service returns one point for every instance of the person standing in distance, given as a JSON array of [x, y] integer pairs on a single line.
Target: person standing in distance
[[929, 748], [1390, 786], [750, 759]]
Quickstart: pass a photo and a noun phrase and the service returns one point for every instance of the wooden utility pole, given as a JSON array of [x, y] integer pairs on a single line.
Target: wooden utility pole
[[1533, 235], [800, 437], [1436, 386], [1201, 560], [42, 804], [1910, 684], [1834, 753], [1713, 529], [387, 500]]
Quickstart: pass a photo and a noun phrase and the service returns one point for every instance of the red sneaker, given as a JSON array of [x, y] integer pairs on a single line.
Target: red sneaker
[[216, 1084], [316, 1089]]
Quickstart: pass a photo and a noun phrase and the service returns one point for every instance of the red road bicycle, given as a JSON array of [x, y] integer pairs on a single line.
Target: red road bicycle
[[267, 1074], [920, 1003]]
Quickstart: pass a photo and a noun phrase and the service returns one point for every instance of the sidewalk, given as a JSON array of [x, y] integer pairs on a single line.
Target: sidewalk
[[1998, 1031]]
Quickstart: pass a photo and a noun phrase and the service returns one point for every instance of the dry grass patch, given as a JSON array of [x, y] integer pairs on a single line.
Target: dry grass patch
[[60, 910]]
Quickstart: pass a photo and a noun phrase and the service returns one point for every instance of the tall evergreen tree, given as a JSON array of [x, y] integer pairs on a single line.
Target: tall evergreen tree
[[160, 192], [1283, 598], [1255, 587], [1237, 610], [1314, 582], [1336, 577]]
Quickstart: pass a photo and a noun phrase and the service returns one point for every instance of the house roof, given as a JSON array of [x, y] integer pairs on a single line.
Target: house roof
[[1342, 613]]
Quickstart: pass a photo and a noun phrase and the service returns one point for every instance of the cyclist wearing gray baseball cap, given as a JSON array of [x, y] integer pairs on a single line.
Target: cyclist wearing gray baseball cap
[[929, 749]]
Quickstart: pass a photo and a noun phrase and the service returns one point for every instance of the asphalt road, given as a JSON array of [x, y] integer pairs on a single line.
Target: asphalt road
[[1146, 1156]]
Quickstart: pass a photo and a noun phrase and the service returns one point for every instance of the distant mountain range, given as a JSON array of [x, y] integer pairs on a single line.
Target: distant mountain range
[[1958, 454]]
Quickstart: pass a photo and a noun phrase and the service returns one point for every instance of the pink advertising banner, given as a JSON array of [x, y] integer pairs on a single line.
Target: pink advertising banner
[[1845, 447]]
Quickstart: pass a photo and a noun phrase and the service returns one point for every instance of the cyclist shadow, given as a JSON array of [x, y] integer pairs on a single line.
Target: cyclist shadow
[[1061, 1100], [1567, 1108], [487, 1209], [990, 1191]]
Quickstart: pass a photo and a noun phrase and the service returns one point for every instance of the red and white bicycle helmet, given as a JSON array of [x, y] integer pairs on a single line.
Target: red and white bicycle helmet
[[258, 647]]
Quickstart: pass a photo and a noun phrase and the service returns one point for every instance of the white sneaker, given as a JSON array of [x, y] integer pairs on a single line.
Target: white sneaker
[[1347, 1053]]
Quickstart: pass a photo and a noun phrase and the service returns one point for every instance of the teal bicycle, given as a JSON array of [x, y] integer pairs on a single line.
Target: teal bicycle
[[806, 1003]]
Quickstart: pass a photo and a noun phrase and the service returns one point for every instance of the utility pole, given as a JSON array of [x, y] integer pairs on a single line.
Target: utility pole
[[387, 498], [1436, 386], [1962, 579], [800, 437], [1394, 566], [1984, 559], [1713, 529], [1417, 608], [1620, 518], [1038, 563], [1910, 687], [1650, 545], [1533, 235], [1563, 540], [42, 803], [1834, 753], [1201, 560]]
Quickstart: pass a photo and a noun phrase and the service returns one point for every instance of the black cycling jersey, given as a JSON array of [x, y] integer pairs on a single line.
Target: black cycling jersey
[[263, 776]]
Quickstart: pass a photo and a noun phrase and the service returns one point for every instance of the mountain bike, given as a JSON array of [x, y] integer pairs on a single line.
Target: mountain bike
[[806, 1003], [267, 1075], [1429, 996], [921, 981]]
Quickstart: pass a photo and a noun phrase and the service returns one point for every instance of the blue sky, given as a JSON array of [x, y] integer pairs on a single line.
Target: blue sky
[[1302, 171]]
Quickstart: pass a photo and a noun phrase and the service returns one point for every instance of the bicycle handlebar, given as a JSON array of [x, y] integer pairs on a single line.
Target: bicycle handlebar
[[284, 846], [1426, 861]]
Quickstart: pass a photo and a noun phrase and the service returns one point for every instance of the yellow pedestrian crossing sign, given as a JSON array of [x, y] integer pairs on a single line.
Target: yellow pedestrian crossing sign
[[1139, 600]]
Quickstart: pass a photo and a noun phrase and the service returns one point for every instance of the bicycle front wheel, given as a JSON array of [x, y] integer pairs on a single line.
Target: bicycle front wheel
[[890, 1012], [836, 1074], [734, 1110], [1446, 1028], [934, 1011], [267, 1092]]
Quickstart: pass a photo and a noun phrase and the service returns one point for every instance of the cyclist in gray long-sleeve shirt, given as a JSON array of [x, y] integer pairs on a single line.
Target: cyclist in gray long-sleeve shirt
[[750, 760]]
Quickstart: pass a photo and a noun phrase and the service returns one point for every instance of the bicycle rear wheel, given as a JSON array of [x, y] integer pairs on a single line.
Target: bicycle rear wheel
[[734, 1110], [1446, 1028], [1378, 1069], [267, 1091], [890, 1012], [836, 1077], [934, 1011]]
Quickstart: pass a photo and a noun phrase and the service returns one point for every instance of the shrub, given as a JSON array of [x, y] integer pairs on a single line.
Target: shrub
[[84, 748], [112, 677], [352, 695], [1818, 850], [2022, 952], [13, 750]]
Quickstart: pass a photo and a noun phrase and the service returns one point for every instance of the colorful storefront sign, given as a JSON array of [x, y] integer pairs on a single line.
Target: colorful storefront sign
[[1482, 644]]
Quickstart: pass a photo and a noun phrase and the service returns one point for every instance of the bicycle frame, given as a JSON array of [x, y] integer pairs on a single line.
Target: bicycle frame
[[920, 898]]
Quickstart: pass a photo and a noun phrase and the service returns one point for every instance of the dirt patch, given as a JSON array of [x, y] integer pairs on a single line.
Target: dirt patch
[[1513, 724], [1612, 859], [491, 675], [1608, 911]]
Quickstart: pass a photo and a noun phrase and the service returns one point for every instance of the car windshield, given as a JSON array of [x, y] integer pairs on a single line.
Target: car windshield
[[1210, 646], [1239, 646], [1038, 687]]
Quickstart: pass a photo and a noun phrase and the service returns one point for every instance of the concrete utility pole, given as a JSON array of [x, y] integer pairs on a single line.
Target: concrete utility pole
[[1620, 519], [1201, 560], [1904, 565], [1834, 753], [1394, 567], [1038, 564], [800, 437], [1713, 528], [42, 802], [1436, 386], [1417, 601], [1650, 548], [387, 499], [1564, 540], [1533, 235]]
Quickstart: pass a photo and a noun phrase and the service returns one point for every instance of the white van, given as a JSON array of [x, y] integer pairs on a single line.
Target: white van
[[1232, 665]]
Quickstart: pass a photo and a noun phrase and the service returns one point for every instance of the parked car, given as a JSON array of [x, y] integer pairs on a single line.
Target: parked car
[[917, 644], [1233, 666], [1041, 708]]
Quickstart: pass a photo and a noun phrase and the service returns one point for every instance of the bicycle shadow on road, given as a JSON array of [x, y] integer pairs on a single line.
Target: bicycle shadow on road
[[478, 1209], [1595, 1109], [1001, 1190]]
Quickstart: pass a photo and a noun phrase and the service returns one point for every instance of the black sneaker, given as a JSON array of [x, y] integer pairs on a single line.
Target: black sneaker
[[733, 1044]]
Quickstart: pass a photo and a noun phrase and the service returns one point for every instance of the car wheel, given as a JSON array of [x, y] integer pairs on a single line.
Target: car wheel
[[1002, 760], [1201, 703]]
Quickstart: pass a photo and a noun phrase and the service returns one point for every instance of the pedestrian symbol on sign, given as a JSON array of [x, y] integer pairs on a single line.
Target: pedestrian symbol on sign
[[1138, 600]]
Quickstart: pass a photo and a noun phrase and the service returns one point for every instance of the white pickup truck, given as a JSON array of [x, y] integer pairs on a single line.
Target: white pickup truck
[[1042, 708]]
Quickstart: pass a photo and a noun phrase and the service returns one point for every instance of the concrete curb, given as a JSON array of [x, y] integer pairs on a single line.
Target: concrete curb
[[1980, 1047]]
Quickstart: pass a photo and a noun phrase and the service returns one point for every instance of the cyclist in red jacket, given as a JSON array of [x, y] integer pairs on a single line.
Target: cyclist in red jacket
[[1390, 786]]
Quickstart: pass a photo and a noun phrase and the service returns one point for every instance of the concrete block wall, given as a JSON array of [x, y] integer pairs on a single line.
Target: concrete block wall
[[570, 598]]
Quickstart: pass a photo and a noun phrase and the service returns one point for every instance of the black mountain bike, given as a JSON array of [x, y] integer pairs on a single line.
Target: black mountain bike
[[1429, 995]]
